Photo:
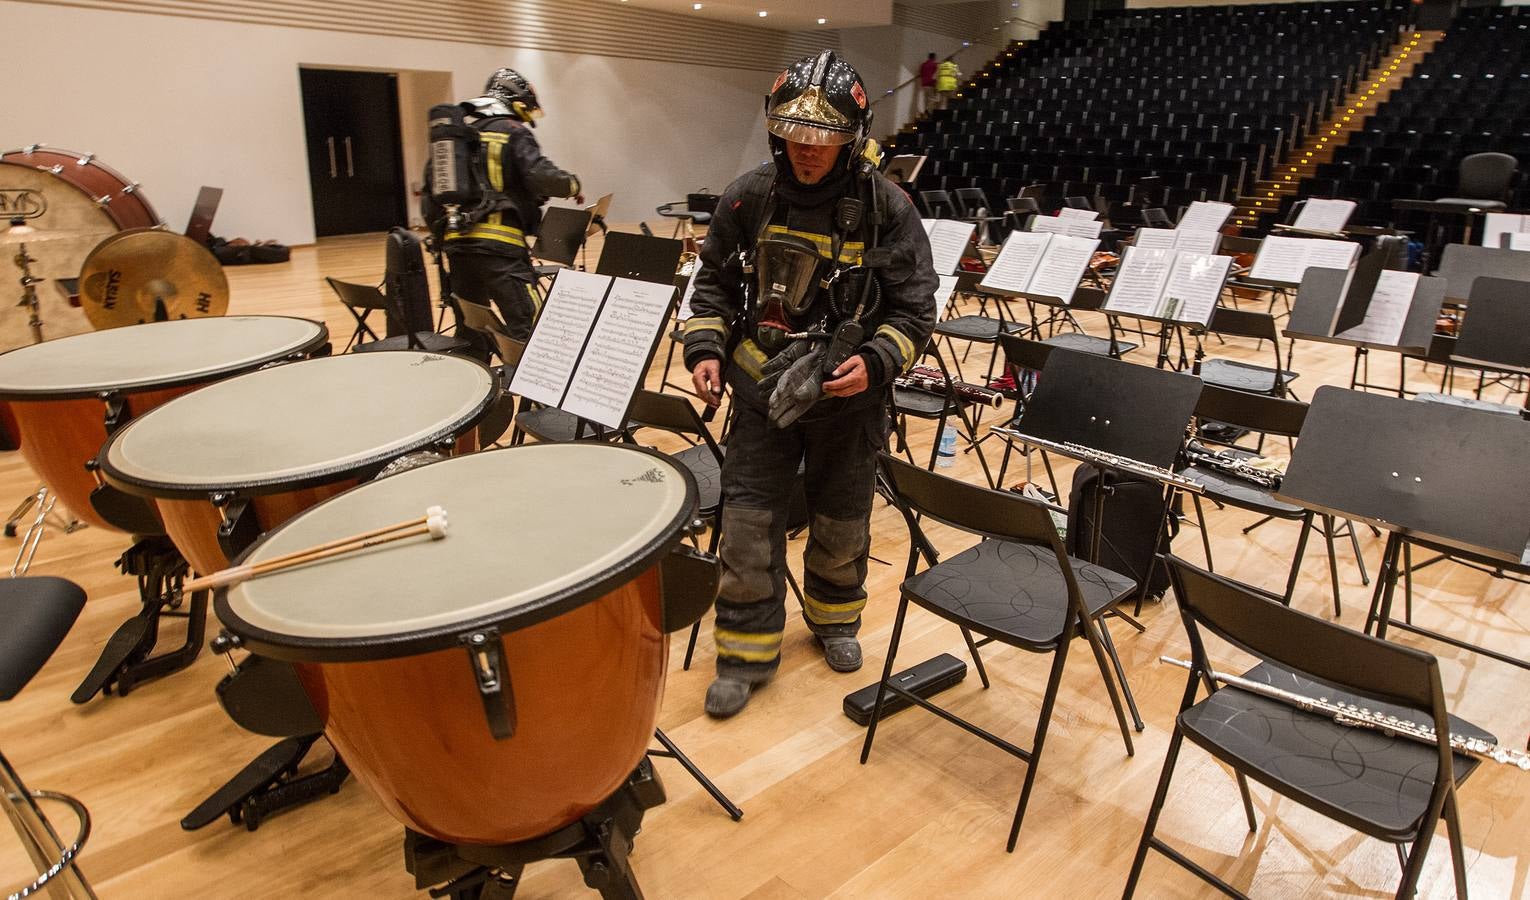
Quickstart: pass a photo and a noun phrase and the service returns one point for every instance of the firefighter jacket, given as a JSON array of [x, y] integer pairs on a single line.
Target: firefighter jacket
[[896, 331], [520, 179]]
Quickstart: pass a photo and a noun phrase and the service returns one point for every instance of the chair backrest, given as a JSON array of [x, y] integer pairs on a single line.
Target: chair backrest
[[358, 296], [1256, 412], [1024, 353], [1327, 651], [1154, 217], [1244, 323], [996, 514], [672, 413], [937, 204], [972, 200], [482, 319], [1487, 176], [1024, 205]]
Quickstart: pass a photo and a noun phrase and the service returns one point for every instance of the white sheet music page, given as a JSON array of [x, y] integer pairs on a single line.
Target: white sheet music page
[[1499, 224], [690, 290], [1016, 263], [1062, 266], [1519, 241], [1068, 212], [1049, 225], [1155, 238], [1205, 215], [1195, 241], [1195, 282], [1387, 312], [1138, 288], [943, 293], [1325, 215], [613, 363], [948, 240], [545, 367], [1286, 259]]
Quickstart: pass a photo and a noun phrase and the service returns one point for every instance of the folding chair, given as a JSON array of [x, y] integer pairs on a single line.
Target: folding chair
[[482, 320], [1386, 787], [1017, 586], [937, 406], [360, 300], [1242, 376]]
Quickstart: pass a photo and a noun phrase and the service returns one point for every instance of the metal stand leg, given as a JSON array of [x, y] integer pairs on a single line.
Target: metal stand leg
[[670, 751], [45, 502], [57, 873]]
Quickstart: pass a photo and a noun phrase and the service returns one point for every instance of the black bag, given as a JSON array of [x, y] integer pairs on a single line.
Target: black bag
[[1132, 512], [405, 284]]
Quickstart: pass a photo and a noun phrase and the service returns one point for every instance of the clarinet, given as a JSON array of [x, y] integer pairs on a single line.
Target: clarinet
[[932, 381], [1360, 717], [1109, 460], [1198, 454]]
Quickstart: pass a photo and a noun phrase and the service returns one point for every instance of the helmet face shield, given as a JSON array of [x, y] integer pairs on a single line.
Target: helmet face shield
[[804, 133], [787, 270], [809, 118]]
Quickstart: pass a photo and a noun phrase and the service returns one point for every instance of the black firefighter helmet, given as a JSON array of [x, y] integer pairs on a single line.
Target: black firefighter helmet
[[513, 90], [818, 99]]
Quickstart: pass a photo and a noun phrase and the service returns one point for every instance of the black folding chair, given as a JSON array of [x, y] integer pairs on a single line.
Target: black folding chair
[[360, 300], [483, 321], [938, 404], [1384, 786], [1017, 586], [1242, 376]]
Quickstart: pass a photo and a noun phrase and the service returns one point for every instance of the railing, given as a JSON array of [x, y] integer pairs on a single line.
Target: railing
[[967, 45]]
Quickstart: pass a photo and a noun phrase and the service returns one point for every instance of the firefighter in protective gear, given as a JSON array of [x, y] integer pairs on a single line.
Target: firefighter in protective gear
[[488, 255], [819, 402]]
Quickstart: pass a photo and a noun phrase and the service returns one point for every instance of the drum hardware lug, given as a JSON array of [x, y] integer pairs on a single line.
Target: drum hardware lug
[[93, 466], [103, 200], [488, 662], [29, 149], [225, 644], [130, 188], [55, 169], [85, 160], [239, 528], [117, 412]]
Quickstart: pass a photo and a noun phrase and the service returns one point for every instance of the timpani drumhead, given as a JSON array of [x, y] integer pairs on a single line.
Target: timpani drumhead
[[299, 424], [534, 531], [154, 355]]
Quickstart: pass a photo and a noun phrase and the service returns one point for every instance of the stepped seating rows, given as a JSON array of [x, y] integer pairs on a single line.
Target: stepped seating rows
[[1470, 95], [1185, 103]]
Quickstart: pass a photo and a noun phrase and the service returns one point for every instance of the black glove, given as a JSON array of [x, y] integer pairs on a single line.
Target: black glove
[[798, 389]]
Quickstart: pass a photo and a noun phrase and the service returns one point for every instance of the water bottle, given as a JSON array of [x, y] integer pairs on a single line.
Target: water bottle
[[945, 456]]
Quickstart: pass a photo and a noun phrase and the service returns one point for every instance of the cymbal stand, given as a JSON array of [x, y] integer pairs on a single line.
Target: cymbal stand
[[42, 499]]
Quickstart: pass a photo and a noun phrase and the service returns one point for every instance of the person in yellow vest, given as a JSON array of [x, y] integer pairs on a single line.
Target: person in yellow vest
[[488, 256], [947, 77]]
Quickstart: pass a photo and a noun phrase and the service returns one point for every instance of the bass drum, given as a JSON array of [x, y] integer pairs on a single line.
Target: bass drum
[[62, 191]]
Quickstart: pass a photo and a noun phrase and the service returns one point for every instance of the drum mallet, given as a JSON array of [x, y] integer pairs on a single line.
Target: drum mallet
[[433, 523]]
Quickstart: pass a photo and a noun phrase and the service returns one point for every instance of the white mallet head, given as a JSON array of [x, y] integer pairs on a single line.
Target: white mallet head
[[437, 526]]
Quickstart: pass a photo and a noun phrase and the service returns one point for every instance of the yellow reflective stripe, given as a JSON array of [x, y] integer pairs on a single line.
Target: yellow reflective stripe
[[904, 345], [488, 231], [706, 323], [820, 613], [496, 145], [748, 647], [749, 357], [849, 251]]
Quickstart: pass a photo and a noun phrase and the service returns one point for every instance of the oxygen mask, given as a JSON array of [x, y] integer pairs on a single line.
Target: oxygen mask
[[788, 271]]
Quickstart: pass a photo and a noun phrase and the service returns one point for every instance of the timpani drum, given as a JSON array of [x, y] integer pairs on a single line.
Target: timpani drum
[[67, 395], [499, 683], [59, 190], [237, 458]]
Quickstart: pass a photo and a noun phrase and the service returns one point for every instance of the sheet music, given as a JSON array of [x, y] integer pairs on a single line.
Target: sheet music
[[943, 293], [1388, 310], [552, 352], [1073, 226], [1138, 288], [1195, 282], [1206, 215], [1062, 266], [1069, 212], [1017, 260], [614, 362], [948, 241], [1499, 224], [1325, 215], [1286, 259], [1519, 241], [690, 289], [1155, 238], [1196, 241]]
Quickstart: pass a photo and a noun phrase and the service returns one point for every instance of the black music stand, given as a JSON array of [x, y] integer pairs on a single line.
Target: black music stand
[[640, 257], [560, 238], [1462, 264], [1319, 314], [1123, 413], [1445, 477], [1496, 333]]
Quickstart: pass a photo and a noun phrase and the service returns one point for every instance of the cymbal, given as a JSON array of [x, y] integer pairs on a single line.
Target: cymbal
[[26, 234], [150, 275]]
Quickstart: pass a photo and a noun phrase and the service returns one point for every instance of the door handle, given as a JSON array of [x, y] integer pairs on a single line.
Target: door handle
[[333, 172], [350, 162]]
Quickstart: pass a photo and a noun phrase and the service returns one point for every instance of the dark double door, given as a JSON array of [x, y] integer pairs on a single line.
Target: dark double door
[[355, 161]]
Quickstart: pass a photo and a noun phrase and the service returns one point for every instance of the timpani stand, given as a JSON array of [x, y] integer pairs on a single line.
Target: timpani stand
[[1125, 419], [1445, 477]]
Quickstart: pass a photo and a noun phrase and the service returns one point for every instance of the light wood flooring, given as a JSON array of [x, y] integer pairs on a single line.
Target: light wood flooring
[[927, 817]]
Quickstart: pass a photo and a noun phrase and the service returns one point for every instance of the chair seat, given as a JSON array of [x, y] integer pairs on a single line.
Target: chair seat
[[38, 611], [1014, 592], [549, 424], [984, 329], [708, 474], [1225, 488], [548, 270], [1468, 402], [700, 218], [1241, 376], [1485, 205], [429, 341], [1363, 778], [1088, 343]]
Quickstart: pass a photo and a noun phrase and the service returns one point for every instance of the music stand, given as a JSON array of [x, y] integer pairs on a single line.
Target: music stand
[[641, 257], [1496, 333], [1462, 264], [1118, 416], [561, 235], [1319, 302], [1443, 476], [199, 226], [598, 211]]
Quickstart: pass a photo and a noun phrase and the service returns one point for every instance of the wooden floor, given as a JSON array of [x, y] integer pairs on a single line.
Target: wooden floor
[[927, 817]]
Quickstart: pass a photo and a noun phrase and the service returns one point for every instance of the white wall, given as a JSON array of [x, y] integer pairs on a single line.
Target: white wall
[[175, 103]]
